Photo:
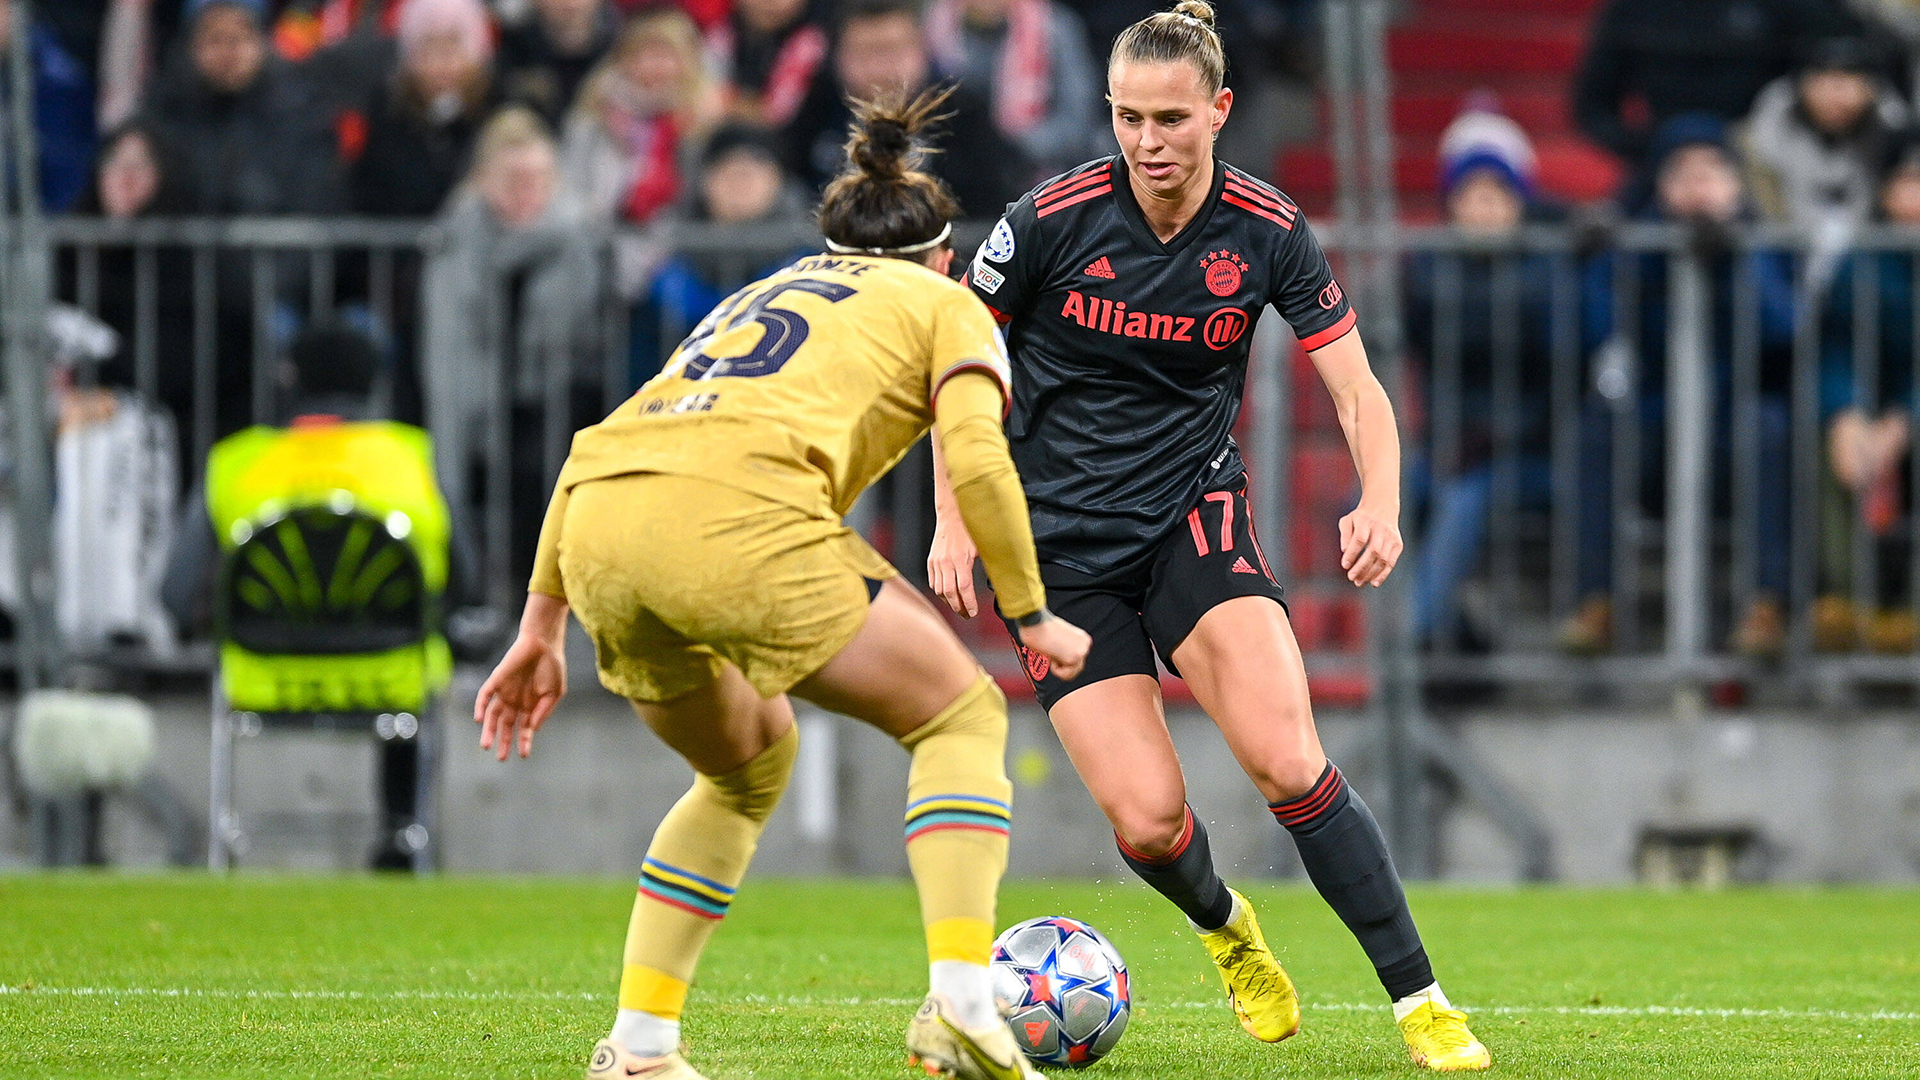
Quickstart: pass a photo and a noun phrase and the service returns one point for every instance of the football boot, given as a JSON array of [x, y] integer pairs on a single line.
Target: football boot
[[611, 1061], [1438, 1039], [1257, 986], [939, 1044]]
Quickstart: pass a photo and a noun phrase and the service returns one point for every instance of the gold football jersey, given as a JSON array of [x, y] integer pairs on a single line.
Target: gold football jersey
[[803, 387]]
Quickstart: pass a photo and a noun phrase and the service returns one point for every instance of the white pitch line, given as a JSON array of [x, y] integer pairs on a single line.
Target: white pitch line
[[808, 1001]]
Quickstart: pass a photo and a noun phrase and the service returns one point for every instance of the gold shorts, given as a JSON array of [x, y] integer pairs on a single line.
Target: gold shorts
[[673, 574]]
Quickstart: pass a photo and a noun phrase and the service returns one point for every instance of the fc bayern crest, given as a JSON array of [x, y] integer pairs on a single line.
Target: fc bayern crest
[[1223, 269], [1037, 665]]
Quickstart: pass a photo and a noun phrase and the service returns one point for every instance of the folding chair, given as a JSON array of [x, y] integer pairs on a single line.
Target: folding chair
[[325, 623]]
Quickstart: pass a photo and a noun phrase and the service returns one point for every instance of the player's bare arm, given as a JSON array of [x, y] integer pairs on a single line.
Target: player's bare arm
[[528, 682], [950, 557], [1370, 541]]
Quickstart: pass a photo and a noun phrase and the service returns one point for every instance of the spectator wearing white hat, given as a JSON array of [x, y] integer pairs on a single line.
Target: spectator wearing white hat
[[1487, 180]]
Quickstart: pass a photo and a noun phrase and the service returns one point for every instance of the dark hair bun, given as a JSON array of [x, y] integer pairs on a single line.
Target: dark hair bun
[[880, 146], [882, 143], [883, 198]]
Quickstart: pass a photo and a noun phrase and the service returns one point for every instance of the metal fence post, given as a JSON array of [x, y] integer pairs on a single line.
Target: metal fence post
[[23, 294], [1689, 455]]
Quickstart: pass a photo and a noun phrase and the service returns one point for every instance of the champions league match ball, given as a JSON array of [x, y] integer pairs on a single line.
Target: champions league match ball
[[1064, 989]]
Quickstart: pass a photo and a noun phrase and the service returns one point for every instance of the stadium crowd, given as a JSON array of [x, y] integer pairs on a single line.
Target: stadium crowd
[[527, 125], [1725, 114]]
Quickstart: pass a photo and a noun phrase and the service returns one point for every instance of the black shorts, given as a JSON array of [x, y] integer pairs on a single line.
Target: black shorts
[[1215, 558]]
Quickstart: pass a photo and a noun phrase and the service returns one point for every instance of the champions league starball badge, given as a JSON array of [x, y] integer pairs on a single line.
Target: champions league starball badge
[[999, 246]]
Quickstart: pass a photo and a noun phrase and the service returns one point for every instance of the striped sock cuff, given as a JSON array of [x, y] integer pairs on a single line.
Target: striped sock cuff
[[1305, 811], [936, 813], [1178, 849], [684, 889]]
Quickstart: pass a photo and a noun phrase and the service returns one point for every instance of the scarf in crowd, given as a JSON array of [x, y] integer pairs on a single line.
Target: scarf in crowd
[[652, 146], [789, 78], [1020, 86]]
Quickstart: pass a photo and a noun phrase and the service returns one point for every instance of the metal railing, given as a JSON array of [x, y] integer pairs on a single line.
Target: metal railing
[[1670, 459], [1550, 377]]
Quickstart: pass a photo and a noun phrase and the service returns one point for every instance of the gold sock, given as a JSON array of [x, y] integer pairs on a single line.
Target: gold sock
[[958, 799], [697, 858]]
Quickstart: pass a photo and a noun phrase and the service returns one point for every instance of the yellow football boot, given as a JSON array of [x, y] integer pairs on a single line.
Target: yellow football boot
[[1257, 986], [1439, 1040], [611, 1061], [937, 1043]]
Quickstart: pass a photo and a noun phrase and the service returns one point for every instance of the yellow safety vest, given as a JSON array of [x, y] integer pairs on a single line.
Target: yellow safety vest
[[383, 469]]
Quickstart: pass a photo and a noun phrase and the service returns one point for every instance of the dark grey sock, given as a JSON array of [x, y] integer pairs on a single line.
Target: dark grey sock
[[1346, 857], [1185, 875]]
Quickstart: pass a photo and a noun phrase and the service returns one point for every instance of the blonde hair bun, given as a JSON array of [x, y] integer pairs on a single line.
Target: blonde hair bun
[[1197, 10]]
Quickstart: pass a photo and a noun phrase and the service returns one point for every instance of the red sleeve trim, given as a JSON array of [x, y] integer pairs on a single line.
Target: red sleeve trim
[[1074, 199], [1330, 335], [1255, 208], [1006, 392], [999, 316]]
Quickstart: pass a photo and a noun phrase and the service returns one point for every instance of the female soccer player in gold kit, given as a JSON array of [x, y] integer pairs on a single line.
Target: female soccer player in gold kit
[[697, 535]]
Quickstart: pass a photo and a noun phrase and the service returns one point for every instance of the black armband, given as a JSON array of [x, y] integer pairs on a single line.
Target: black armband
[[1034, 619]]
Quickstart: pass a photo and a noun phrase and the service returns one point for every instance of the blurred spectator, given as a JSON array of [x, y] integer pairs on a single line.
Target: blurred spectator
[[1815, 138], [131, 180], [63, 111], [1651, 60], [882, 48], [622, 146], [136, 177], [1497, 383], [1031, 57], [544, 60], [1698, 186], [517, 282], [248, 132], [740, 183], [1866, 405], [422, 122], [772, 51]]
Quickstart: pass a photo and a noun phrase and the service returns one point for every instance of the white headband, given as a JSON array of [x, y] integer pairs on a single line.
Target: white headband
[[910, 249]]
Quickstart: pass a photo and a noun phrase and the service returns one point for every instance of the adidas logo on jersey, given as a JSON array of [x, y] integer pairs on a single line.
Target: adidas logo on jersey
[[1100, 268], [1241, 566]]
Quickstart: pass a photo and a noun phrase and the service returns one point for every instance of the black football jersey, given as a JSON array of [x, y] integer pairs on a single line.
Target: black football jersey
[[1130, 355]]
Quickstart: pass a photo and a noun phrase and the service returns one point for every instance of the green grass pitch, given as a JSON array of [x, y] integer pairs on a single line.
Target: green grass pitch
[[191, 977]]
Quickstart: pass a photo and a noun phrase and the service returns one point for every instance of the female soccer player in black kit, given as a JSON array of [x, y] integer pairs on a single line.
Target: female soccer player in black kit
[[1128, 288]]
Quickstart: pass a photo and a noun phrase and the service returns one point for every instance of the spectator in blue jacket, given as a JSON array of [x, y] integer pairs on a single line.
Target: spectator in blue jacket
[[1698, 186], [1866, 410], [63, 103]]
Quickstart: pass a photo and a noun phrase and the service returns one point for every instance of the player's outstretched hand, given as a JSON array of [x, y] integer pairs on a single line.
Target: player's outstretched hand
[[1062, 643], [1369, 545], [950, 565], [520, 694]]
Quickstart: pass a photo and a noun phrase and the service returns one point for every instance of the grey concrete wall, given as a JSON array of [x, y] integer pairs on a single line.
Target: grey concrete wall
[[1837, 797]]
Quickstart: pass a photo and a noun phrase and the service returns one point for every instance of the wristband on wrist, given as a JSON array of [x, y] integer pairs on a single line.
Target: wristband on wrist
[[1035, 619]]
